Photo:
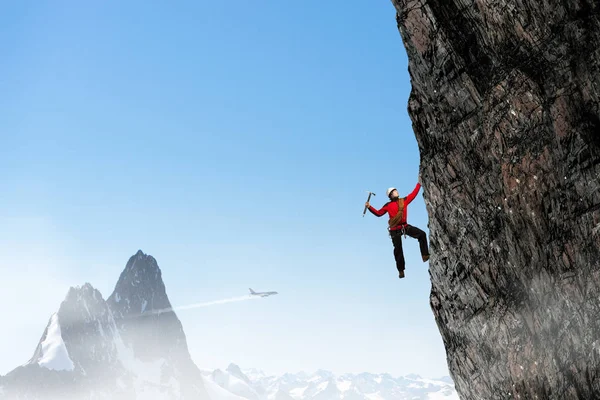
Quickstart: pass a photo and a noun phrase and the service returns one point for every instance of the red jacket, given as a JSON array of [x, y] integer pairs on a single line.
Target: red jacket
[[392, 208]]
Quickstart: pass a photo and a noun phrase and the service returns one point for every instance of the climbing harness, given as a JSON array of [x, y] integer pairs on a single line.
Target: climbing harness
[[402, 231]]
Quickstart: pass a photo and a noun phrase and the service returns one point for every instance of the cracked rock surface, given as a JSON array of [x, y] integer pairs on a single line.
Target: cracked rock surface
[[505, 109]]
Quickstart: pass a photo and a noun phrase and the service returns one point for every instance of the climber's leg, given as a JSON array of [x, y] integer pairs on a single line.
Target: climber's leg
[[418, 234], [398, 253]]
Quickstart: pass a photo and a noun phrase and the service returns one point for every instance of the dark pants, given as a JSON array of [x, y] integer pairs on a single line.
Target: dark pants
[[413, 232]]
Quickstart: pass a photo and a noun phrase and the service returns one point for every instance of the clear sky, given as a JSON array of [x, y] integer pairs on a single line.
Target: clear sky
[[234, 142]]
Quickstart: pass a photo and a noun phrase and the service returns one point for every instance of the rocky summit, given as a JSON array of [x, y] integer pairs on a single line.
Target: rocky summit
[[506, 111]]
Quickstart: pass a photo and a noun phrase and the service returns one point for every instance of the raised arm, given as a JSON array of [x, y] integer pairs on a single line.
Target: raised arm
[[377, 212], [413, 194]]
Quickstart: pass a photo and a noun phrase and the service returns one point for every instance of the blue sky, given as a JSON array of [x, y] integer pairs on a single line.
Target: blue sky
[[234, 142]]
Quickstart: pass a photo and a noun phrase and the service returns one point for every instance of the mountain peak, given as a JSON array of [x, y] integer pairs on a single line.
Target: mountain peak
[[324, 373], [233, 367], [82, 303], [140, 288], [86, 291], [138, 296], [83, 321], [236, 371], [111, 349]]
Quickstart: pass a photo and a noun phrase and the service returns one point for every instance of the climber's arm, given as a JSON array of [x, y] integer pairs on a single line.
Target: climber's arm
[[413, 194], [377, 212]]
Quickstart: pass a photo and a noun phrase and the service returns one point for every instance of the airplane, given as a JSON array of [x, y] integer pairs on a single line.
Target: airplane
[[261, 294]]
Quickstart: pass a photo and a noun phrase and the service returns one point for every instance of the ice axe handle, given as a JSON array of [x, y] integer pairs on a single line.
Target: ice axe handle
[[368, 199]]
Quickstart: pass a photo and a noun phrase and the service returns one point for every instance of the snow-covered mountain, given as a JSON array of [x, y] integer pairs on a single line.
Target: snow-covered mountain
[[253, 384], [97, 349]]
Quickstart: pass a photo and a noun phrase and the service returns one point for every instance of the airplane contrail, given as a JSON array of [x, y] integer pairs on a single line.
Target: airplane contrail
[[215, 302], [198, 305]]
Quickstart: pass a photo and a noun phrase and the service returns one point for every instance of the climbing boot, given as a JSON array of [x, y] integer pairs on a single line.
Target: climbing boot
[[425, 257], [401, 275]]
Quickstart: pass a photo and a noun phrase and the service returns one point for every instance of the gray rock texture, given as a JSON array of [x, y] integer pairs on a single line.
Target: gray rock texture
[[505, 109], [143, 315]]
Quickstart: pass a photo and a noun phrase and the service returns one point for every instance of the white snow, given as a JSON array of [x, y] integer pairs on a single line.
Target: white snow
[[349, 386], [148, 382], [433, 382], [216, 392], [101, 330], [54, 352], [320, 388], [117, 297], [442, 395], [237, 385], [234, 385], [147, 378], [298, 392], [344, 386], [144, 304], [374, 396], [146, 372], [87, 310], [173, 384]]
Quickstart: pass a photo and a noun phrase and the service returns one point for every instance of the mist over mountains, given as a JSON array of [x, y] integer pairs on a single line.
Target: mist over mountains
[[133, 346], [103, 349]]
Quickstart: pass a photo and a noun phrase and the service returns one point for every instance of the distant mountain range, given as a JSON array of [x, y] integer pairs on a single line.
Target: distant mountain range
[[252, 384]]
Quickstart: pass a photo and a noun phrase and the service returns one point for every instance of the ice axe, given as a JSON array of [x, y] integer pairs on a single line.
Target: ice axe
[[369, 199]]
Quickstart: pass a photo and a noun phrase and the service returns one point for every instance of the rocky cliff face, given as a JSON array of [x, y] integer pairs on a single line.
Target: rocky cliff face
[[505, 109]]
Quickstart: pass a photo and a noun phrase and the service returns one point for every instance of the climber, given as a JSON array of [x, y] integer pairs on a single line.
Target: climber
[[396, 208]]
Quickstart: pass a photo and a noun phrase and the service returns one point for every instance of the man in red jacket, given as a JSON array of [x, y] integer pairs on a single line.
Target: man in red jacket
[[397, 210]]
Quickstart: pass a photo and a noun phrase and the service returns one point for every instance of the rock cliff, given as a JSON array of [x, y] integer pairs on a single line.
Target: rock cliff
[[506, 112]]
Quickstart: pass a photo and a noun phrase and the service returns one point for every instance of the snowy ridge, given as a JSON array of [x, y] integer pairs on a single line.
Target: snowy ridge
[[54, 352], [324, 385], [216, 392]]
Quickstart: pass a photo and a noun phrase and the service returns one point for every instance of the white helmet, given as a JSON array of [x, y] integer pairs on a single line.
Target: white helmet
[[389, 191]]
